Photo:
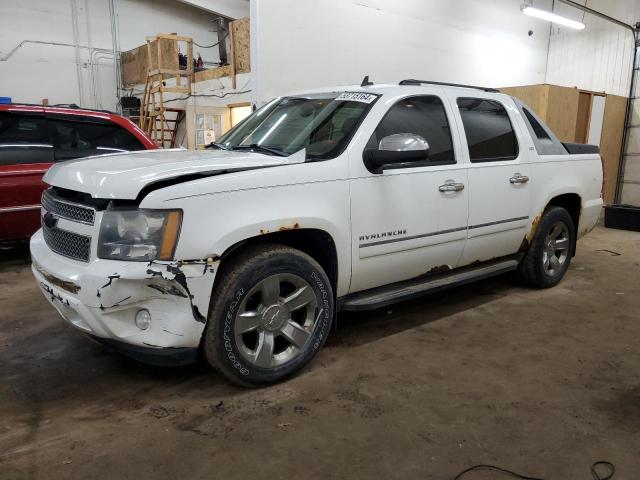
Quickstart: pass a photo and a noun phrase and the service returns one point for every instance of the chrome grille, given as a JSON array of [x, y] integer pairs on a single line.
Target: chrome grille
[[68, 244], [68, 210]]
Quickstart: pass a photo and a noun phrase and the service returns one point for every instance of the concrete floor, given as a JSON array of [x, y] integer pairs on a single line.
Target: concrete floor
[[540, 381]]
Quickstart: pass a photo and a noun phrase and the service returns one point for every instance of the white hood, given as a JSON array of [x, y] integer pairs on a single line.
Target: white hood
[[123, 175]]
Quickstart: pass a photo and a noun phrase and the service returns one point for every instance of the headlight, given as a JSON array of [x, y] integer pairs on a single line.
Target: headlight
[[139, 235]]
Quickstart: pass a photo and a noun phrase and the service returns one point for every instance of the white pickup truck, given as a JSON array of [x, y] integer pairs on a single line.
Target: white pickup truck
[[343, 198]]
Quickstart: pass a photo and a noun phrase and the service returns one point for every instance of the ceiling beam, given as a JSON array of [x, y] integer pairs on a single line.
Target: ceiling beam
[[232, 9]]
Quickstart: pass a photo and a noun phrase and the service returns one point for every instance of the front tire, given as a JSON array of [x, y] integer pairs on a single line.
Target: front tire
[[549, 254], [271, 313]]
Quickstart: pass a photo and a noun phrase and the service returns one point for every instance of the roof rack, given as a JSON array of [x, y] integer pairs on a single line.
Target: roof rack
[[411, 81], [71, 106]]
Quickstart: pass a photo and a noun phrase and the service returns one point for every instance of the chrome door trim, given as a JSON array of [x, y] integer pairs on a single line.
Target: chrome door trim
[[488, 224], [440, 232]]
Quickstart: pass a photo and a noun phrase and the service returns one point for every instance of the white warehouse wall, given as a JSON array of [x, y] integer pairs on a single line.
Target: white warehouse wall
[[307, 44], [34, 72], [598, 58]]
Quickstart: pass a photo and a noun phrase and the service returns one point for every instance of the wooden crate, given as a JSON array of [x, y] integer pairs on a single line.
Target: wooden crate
[[135, 63]]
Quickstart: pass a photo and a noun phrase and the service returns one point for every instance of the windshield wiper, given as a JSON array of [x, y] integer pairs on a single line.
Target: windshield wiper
[[219, 146], [262, 148]]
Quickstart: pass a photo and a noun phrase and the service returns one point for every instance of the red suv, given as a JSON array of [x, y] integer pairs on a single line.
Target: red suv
[[33, 137]]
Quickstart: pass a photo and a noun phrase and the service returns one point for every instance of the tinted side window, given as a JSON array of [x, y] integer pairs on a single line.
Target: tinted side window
[[108, 137], [535, 126], [424, 116], [544, 141], [490, 135], [24, 139], [76, 139]]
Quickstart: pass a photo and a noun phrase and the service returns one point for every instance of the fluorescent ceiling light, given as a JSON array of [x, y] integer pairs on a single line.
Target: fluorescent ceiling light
[[552, 17]]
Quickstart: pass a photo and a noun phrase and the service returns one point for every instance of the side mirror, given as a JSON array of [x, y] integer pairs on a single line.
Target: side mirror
[[400, 150]]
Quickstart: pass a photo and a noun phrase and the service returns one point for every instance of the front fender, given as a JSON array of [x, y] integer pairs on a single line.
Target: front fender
[[213, 223]]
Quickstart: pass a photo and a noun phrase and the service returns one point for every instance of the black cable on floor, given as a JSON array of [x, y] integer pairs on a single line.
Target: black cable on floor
[[495, 469], [595, 474]]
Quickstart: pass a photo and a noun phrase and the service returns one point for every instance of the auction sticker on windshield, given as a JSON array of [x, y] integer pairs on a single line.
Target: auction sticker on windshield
[[356, 97]]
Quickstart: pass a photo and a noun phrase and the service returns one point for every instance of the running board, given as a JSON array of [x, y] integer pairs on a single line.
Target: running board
[[382, 296]]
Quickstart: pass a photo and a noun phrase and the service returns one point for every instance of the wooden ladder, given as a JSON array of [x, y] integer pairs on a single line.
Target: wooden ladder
[[159, 122]]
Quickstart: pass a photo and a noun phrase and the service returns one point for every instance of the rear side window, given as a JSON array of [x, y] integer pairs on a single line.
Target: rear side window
[[24, 139], [76, 139], [538, 130], [544, 141], [424, 116], [490, 135]]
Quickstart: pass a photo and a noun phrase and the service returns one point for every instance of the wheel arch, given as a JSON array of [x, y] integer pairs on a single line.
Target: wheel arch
[[571, 202], [316, 243]]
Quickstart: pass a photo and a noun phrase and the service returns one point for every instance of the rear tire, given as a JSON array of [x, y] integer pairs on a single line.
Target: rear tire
[[549, 254], [271, 313]]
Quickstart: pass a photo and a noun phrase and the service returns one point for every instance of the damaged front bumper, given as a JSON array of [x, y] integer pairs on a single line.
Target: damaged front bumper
[[102, 297]]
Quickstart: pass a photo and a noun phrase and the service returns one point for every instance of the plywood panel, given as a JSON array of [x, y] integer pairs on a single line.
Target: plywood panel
[[533, 95], [241, 42], [134, 66], [582, 120], [557, 106], [169, 54], [212, 73], [562, 112], [611, 142]]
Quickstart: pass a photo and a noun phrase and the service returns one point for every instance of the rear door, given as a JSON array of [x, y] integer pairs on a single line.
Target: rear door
[[499, 177], [26, 153]]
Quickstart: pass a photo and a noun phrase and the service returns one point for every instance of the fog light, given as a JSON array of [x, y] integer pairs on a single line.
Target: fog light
[[143, 319]]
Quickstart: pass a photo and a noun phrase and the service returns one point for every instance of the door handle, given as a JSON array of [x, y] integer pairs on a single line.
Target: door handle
[[451, 186], [518, 179]]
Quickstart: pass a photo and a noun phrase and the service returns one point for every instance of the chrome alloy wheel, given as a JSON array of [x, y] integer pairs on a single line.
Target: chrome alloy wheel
[[275, 320], [556, 248]]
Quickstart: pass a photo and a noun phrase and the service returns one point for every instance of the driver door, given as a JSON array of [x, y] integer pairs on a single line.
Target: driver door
[[412, 220]]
